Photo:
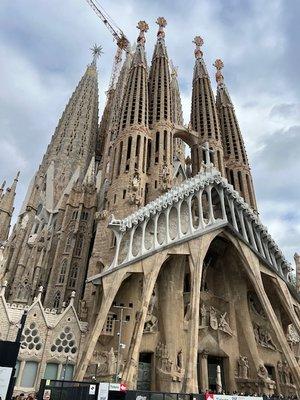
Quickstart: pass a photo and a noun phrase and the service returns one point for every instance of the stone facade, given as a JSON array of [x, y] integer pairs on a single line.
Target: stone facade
[[179, 287]]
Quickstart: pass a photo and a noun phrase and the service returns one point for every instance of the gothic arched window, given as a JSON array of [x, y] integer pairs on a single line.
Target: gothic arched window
[[73, 276], [62, 273], [68, 243], [79, 245], [56, 301]]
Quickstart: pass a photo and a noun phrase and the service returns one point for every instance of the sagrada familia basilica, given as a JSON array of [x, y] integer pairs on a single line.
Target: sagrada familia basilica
[[138, 263]]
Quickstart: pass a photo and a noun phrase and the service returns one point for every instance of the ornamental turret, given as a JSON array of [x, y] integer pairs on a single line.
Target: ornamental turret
[[7, 207], [159, 79], [160, 154], [235, 158], [204, 117]]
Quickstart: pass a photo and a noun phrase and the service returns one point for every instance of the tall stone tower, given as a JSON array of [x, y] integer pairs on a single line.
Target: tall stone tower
[[235, 157], [124, 178], [160, 155], [204, 117], [49, 245], [128, 167]]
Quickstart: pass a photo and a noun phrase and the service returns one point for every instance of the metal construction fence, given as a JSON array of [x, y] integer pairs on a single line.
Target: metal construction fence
[[72, 390]]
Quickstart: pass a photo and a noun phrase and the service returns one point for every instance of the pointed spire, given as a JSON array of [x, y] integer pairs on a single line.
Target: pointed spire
[[204, 117], [2, 188], [75, 136], [139, 57], [3, 288], [236, 161], [160, 47], [200, 70], [222, 89], [160, 79], [40, 292], [134, 107], [143, 27], [7, 200], [72, 297], [176, 106]]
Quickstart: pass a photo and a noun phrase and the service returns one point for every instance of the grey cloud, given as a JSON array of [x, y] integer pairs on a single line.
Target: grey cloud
[[286, 111]]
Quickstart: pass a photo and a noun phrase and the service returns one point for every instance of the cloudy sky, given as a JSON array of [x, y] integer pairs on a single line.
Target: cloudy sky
[[44, 50]]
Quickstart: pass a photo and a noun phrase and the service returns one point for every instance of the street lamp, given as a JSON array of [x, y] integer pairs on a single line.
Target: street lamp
[[120, 344]]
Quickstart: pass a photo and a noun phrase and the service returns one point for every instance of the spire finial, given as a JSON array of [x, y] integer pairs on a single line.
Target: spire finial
[[96, 51], [3, 288], [162, 23], [17, 176], [143, 27], [72, 297], [219, 77], [40, 291], [198, 42]]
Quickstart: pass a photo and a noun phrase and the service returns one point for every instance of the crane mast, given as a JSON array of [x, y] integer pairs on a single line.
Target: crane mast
[[118, 35]]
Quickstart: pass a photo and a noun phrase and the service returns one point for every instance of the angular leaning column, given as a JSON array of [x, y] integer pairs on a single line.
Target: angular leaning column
[[151, 266], [198, 248]]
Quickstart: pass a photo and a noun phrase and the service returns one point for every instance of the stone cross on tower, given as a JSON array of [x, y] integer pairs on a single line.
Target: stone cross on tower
[[207, 152], [162, 23], [219, 77], [198, 42]]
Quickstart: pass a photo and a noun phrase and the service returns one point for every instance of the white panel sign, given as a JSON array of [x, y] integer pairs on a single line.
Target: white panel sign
[[92, 389], [5, 374], [228, 397], [103, 391]]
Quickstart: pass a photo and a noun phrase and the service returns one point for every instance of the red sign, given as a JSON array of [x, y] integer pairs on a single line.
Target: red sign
[[209, 396], [123, 387]]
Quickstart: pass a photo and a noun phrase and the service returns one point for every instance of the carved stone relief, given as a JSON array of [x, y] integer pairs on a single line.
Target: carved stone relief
[[151, 321], [165, 178], [255, 305], [263, 337], [134, 189], [106, 362], [284, 373], [292, 335], [166, 366], [215, 319]]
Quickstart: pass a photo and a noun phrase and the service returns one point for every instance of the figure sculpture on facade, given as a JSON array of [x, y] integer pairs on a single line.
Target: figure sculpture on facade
[[203, 311], [243, 367], [224, 325]]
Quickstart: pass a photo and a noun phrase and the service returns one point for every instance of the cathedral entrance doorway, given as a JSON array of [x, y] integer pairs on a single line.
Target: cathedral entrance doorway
[[144, 371], [212, 364]]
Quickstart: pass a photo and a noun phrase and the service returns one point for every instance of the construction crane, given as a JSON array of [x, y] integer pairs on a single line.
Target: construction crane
[[123, 43]]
